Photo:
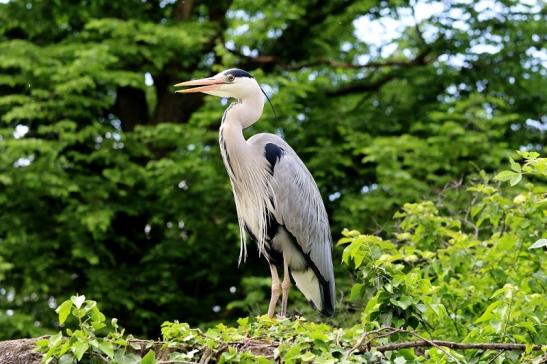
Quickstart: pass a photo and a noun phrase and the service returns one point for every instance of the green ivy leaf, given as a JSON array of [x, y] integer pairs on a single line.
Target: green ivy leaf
[[515, 179], [66, 359], [63, 311], [42, 343], [55, 339], [356, 291], [79, 348], [403, 302], [308, 356], [515, 166], [149, 358], [504, 176], [107, 348]]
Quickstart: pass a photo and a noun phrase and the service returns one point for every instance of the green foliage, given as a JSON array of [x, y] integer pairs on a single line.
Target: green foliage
[[478, 277], [112, 186], [92, 337]]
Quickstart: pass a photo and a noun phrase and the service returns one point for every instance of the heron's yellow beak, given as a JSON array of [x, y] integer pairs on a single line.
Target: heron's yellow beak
[[206, 84]]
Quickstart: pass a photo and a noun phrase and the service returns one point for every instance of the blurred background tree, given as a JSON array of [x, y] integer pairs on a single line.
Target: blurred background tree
[[111, 185]]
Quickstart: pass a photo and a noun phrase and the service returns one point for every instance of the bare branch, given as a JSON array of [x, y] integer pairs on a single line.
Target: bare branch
[[348, 65], [454, 345], [265, 61]]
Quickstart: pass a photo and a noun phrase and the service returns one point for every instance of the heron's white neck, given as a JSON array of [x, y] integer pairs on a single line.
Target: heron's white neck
[[238, 116], [245, 112], [247, 169]]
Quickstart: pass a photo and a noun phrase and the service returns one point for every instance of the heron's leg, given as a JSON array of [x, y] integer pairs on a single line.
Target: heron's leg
[[285, 287], [276, 290]]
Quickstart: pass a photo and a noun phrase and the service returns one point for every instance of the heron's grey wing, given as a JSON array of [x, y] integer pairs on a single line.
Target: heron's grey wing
[[299, 208]]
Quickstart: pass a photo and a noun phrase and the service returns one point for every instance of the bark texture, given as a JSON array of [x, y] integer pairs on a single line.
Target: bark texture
[[20, 351]]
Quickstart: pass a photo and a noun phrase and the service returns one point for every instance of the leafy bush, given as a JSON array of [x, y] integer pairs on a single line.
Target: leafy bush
[[475, 278]]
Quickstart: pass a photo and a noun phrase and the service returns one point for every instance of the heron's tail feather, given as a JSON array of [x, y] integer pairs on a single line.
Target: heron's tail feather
[[317, 293]]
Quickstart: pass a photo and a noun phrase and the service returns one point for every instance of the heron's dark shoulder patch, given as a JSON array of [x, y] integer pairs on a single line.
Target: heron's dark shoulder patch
[[236, 72], [273, 153]]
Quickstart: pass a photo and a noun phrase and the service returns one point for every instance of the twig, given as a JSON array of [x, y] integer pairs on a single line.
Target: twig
[[207, 354], [495, 356], [359, 343], [435, 345]]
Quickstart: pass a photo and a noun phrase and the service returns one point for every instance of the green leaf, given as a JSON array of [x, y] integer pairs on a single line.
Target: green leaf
[[42, 343], [356, 291], [488, 313], [308, 356], [55, 339], [66, 359], [79, 348], [403, 302], [64, 310], [516, 179], [149, 358], [107, 348], [372, 306], [515, 166], [505, 176]]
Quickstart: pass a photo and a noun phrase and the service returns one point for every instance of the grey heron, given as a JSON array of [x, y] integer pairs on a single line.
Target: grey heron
[[277, 201]]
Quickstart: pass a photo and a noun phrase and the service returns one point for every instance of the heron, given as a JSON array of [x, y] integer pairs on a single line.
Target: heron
[[277, 200]]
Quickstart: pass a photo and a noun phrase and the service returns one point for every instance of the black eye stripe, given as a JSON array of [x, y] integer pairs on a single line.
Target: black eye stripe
[[236, 72]]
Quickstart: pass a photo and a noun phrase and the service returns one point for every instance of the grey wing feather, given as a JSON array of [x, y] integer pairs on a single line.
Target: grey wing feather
[[298, 206]]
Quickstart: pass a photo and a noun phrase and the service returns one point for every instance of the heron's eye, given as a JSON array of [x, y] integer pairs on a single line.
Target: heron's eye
[[230, 78]]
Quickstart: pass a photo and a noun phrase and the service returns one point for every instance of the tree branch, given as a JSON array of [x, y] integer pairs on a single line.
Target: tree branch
[[266, 61], [368, 86], [348, 65], [24, 350], [453, 345], [363, 86]]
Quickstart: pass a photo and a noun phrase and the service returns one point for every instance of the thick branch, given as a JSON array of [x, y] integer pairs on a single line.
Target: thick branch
[[348, 65], [452, 345], [265, 61], [363, 87]]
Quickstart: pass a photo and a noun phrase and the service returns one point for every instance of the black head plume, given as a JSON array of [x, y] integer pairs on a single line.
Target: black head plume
[[270, 102]]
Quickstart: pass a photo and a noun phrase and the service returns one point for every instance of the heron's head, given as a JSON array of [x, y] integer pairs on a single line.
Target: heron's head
[[234, 83]]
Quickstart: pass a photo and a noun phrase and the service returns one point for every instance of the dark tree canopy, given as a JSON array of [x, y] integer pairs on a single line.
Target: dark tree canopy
[[112, 185]]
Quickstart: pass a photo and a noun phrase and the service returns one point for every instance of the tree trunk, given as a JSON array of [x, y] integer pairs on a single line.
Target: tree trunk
[[20, 351]]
